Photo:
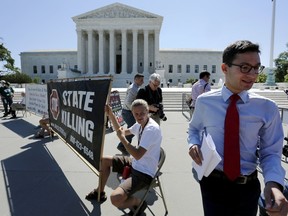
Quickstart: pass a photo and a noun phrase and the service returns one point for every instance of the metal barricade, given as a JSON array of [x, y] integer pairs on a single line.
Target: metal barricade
[[185, 108]]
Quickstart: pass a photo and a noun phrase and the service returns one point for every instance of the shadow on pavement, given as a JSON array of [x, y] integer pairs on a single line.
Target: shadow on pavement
[[20, 127], [35, 184]]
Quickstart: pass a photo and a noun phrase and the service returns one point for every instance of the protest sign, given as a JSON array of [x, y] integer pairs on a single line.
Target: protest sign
[[77, 115]]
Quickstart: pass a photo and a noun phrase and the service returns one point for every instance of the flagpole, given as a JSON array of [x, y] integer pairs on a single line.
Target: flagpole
[[272, 34], [270, 81]]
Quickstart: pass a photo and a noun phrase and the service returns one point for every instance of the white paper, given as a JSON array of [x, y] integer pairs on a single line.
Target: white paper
[[211, 158]]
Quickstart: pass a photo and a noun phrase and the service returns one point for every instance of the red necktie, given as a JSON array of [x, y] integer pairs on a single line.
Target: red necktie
[[231, 140]]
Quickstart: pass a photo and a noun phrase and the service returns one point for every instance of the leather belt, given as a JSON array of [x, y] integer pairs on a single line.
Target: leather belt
[[242, 179]]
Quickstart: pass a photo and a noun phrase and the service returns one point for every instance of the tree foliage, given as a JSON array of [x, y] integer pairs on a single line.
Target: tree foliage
[[286, 78], [17, 78], [5, 57], [192, 80], [281, 64], [261, 78], [8, 63]]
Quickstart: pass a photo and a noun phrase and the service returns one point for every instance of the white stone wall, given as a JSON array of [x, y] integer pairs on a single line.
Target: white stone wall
[[177, 57], [168, 57], [46, 58]]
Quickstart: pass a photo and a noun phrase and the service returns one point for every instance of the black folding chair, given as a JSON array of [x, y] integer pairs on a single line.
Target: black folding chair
[[155, 183]]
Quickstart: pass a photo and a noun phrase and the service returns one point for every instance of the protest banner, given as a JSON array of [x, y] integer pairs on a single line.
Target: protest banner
[[77, 115]]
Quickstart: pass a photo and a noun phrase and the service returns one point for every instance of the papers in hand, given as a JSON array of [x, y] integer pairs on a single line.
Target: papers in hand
[[211, 158]]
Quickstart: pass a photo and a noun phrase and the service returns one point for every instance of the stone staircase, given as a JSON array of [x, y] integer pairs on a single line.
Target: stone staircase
[[17, 98], [174, 98], [279, 97]]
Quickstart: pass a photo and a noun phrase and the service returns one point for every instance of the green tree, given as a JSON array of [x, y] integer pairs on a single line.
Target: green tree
[[36, 80], [281, 64], [17, 77], [192, 80], [286, 78], [5, 57], [261, 78]]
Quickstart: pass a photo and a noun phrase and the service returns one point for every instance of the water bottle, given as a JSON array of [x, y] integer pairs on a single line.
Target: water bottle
[[126, 172]]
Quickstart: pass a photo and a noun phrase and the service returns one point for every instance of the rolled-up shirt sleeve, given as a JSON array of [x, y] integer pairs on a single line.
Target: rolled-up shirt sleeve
[[271, 148]]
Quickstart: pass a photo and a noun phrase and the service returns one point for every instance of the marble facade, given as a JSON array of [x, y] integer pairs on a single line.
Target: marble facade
[[119, 41]]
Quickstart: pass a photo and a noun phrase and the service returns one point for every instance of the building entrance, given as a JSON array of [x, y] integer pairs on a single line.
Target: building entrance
[[118, 64]]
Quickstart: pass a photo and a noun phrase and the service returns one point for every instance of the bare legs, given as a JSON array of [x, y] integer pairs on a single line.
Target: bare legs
[[118, 197]]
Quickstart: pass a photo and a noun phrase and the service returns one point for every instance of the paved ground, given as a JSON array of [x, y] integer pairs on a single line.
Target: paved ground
[[44, 177]]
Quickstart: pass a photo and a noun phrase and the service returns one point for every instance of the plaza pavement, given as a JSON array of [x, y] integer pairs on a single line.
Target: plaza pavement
[[46, 178]]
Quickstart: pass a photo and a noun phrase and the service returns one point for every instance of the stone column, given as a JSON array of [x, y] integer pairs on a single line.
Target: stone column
[[124, 51], [135, 51], [80, 51], [145, 64], [156, 51], [112, 51], [91, 54], [101, 52]]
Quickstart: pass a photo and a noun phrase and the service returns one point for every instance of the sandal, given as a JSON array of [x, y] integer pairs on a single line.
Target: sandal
[[141, 209], [93, 195], [39, 135]]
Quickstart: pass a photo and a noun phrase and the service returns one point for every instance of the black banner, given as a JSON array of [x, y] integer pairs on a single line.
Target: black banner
[[76, 112]]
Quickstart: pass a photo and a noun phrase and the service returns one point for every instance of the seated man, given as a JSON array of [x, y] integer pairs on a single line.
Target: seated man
[[143, 161], [19, 105], [44, 123]]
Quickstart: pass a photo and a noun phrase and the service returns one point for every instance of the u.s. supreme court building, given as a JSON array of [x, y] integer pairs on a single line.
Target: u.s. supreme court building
[[121, 41]]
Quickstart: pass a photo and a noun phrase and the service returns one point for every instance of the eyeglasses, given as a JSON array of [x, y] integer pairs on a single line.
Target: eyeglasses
[[246, 68]]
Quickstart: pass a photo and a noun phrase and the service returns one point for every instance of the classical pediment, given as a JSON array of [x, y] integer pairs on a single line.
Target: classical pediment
[[115, 10]]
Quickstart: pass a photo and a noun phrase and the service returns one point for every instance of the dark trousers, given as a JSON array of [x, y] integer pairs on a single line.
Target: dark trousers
[[7, 101], [224, 198]]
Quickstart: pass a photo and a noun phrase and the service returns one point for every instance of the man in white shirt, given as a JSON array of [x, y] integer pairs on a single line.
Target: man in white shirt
[[143, 163]]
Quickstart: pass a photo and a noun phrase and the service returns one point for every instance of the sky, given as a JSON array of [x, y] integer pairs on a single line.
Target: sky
[[191, 24]]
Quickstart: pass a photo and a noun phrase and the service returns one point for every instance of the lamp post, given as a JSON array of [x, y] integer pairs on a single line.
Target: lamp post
[[270, 75]]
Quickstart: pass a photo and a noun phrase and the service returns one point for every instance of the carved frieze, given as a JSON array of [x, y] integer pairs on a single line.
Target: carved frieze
[[117, 12]]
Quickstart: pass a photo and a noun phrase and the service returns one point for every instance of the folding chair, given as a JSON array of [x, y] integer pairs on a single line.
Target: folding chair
[[155, 183], [23, 110]]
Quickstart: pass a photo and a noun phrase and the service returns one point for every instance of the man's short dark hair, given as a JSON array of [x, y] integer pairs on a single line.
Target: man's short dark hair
[[138, 75], [204, 74], [241, 46]]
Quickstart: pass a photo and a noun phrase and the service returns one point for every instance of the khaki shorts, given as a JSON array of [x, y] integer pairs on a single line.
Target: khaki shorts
[[136, 181]]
